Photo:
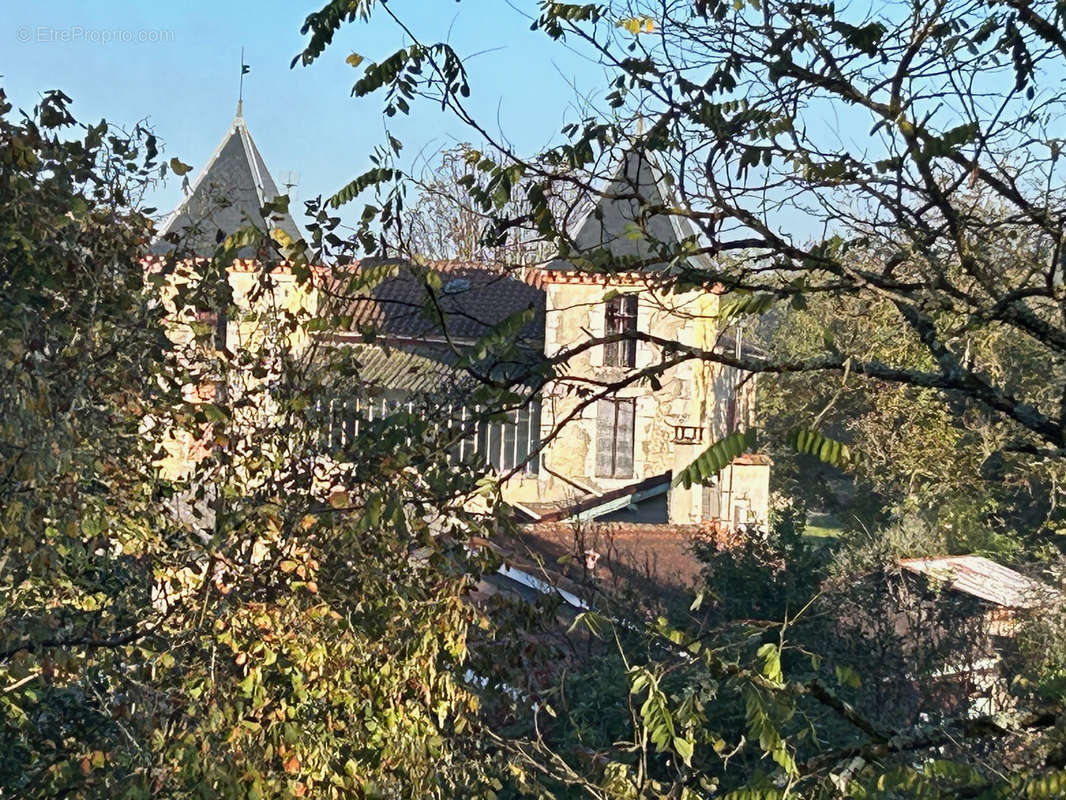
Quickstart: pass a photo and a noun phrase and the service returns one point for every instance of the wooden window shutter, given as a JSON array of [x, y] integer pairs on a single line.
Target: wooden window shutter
[[605, 413], [623, 445], [612, 318], [629, 323], [620, 316], [615, 423]]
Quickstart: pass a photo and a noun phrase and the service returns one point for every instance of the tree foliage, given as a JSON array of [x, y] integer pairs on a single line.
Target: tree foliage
[[738, 97], [282, 621], [899, 163], [263, 620]]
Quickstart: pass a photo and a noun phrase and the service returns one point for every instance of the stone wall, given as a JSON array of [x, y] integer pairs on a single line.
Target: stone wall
[[260, 300], [694, 393]]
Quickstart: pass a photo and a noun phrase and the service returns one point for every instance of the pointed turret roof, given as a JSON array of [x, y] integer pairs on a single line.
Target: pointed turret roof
[[633, 199], [230, 191]]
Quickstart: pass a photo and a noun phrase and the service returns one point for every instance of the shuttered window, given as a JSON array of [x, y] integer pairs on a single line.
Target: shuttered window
[[621, 317], [615, 421], [731, 415], [712, 502]]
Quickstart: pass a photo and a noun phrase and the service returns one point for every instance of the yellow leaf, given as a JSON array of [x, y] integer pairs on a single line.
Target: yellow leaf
[[354, 59], [637, 25]]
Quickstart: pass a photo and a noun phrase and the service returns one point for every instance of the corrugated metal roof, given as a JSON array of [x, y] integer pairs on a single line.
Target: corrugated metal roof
[[405, 371], [428, 369], [984, 579], [634, 492]]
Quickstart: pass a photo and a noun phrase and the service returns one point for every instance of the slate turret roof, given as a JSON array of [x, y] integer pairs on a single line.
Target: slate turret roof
[[635, 199], [229, 192]]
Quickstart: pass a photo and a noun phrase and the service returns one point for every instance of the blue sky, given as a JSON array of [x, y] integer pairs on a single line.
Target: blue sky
[[183, 77]]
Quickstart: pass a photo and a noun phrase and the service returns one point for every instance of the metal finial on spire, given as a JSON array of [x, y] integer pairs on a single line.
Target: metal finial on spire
[[240, 91]]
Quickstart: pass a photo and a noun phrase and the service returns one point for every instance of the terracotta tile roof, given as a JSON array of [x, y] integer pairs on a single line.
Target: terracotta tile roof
[[753, 459], [652, 559]]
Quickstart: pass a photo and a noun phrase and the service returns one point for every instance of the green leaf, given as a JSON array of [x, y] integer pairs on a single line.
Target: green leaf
[[811, 442], [595, 623], [684, 748], [178, 167], [740, 303], [846, 676], [715, 458], [372, 177], [1050, 785], [498, 339], [770, 656], [640, 682], [247, 236]]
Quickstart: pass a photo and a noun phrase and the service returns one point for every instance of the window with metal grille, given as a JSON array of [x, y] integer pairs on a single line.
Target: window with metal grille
[[621, 317], [615, 422]]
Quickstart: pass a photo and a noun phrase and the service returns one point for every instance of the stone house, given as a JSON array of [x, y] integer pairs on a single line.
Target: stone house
[[568, 451]]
